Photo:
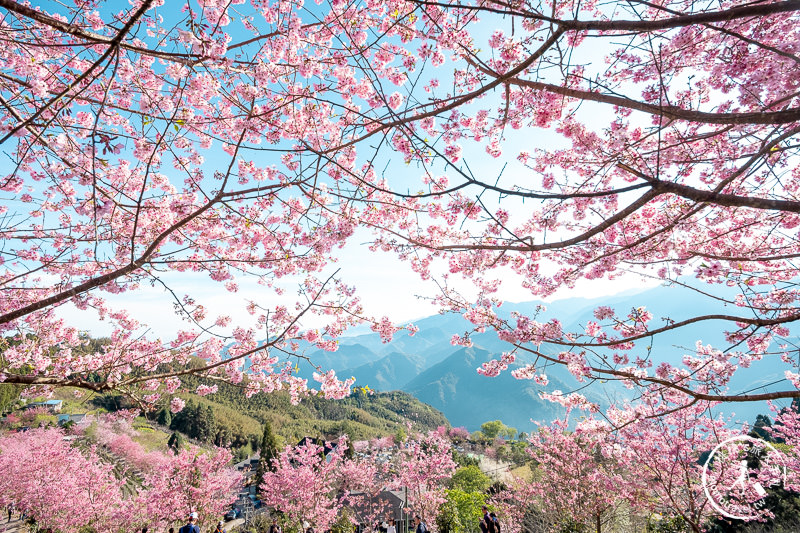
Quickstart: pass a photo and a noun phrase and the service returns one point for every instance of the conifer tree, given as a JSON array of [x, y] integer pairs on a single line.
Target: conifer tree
[[164, 417], [175, 442], [205, 424], [268, 451]]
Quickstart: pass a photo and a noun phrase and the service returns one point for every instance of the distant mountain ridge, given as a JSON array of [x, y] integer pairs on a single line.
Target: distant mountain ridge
[[429, 367], [469, 399]]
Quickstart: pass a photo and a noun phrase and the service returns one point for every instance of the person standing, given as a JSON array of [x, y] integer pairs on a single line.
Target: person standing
[[487, 521], [482, 525], [191, 525], [420, 526], [496, 522], [275, 528], [220, 528], [391, 528]]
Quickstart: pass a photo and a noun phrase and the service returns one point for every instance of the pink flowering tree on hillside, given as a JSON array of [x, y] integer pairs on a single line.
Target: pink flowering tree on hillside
[[306, 484], [106, 480], [168, 486], [581, 478], [421, 468], [786, 429], [245, 143], [192, 480], [117, 438], [667, 453], [363, 480], [658, 457], [516, 505], [61, 486]]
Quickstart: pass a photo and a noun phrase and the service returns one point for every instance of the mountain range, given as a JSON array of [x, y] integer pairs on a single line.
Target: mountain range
[[430, 368]]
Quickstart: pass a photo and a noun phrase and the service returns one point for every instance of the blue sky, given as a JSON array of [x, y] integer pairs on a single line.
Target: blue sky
[[387, 286]]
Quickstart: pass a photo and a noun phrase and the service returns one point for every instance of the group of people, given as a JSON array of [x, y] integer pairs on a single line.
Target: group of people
[[191, 526], [275, 528], [387, 526], [11, 509], [489, 522]]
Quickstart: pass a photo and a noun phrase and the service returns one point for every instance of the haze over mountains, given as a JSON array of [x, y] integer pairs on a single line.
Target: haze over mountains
[[429, 367]]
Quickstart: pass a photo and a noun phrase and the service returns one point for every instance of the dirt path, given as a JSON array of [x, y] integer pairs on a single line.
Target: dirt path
[[15, 526], [497, 470]]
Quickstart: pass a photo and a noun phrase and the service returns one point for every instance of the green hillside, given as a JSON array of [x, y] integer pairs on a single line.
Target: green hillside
[[231, 419]]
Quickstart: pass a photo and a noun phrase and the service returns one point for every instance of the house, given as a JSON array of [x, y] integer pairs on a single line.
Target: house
[[386, 504], [53, 405], [249, 464], [327, 446], [65, 418]]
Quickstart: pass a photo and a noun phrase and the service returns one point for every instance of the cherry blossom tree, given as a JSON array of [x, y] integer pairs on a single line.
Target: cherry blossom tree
[[654, 458], [667, 454], [787, 430], [59, 485], [516, 507], [581, 476], [421, 468], [168, 485], [106, 480], [248, 142], [309, 485], [364, 479], [191, 480], [306, 484]]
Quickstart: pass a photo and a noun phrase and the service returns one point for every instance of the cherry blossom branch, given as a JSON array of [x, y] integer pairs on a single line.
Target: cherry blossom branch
[[459, 100], [725, 15], [700, 396], [113, 45], [672, 112], [98, 281], [94, 38]]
